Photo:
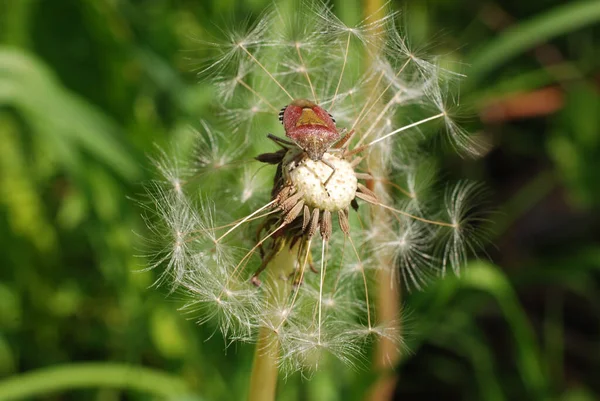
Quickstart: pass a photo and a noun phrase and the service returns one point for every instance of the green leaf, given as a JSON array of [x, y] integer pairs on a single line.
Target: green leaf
[[27, 85], [525, 35], [488, 278], [90, 375]]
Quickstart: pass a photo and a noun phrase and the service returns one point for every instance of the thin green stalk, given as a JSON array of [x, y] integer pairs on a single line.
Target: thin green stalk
[[263, 380], [89, 375]]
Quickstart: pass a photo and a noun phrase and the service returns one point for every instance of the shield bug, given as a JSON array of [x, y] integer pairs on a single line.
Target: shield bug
[[311, 128]]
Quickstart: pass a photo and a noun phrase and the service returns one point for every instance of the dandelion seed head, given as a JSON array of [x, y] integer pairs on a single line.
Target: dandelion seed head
[[265, 235], [309, 178]]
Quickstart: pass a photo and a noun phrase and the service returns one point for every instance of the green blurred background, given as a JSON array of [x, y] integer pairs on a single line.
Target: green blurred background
[[88, 88]]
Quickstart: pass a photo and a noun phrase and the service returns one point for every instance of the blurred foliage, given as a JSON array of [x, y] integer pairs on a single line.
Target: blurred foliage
[[88, 88]]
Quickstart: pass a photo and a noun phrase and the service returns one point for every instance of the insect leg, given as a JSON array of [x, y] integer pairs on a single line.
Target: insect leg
[[272, 158], [342, 144], [262, 227], [278, 246], [332, 167], [284, 143], [295, 162]]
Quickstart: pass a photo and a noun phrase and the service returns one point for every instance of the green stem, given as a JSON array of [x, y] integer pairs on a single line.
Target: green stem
[[263, 380], [386, 354], [89, 375]]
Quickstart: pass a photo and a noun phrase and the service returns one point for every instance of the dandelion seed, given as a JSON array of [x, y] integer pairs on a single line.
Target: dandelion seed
[[463, 208]]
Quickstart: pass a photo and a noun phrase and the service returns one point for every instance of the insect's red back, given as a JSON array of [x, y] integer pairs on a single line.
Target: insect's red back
[[310, 126]]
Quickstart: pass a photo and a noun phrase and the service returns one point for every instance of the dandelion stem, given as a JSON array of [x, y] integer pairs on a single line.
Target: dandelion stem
[[388, 297], [263, 380]]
